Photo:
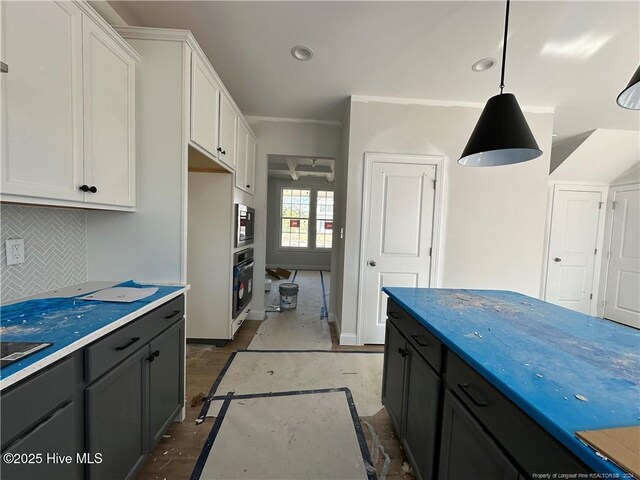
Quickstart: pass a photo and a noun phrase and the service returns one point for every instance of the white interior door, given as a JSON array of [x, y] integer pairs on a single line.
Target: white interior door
[[622, 298], [398, 234], [572, 248]]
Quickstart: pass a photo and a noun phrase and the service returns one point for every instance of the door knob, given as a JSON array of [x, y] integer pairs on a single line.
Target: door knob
[[372, 263], [557, 260]]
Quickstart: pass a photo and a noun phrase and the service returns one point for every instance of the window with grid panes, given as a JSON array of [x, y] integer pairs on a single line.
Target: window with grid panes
[[324, 219], [294, 216]]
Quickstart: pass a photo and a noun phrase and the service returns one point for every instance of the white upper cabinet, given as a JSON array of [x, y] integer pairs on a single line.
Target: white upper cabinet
[[42, 100], [228, 128], [109, 114], [205, 94], [245, 171], [67, 108], [250, 176]]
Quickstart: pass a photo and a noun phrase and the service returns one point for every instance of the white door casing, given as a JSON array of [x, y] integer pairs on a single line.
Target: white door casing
[[397, 233], [575, 220], [622, 291]]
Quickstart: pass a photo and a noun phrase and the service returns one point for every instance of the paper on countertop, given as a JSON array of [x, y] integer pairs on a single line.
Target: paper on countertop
[[121, 294]]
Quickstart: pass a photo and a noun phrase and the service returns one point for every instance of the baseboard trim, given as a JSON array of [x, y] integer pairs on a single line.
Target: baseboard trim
[[256, 315], [348, 339]]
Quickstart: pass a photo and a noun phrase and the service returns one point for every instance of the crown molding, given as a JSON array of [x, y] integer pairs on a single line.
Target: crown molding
[[254, 119], [438, 103], [108, 29]]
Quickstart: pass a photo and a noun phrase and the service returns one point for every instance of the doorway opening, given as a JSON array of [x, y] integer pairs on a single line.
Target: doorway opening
[[299, 246]]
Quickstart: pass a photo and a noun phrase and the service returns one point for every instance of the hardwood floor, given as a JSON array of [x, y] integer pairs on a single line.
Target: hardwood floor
[[177, 452]]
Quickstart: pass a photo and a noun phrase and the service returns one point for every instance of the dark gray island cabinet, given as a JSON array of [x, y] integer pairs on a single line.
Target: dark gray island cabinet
[[98, 412], [453, 424]]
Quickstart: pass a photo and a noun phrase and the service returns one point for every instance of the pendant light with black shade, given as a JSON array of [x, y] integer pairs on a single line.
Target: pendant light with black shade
[[630, 96], [502, 135]]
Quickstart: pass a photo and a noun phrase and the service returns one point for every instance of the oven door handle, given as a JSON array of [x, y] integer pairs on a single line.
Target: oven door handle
[[242, 268]]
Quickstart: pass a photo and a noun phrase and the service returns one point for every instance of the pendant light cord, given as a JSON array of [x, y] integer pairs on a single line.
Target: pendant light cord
[[504, 46]]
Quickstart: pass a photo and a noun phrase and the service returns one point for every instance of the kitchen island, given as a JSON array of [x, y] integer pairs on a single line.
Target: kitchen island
[[98, 397], [495, 384]]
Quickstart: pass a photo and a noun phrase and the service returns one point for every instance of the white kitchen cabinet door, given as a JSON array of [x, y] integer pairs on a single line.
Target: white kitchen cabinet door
[[228, 130], [42, 100], [241, 155], [250, 164], [109, 119], [205, 97], [245, 171]]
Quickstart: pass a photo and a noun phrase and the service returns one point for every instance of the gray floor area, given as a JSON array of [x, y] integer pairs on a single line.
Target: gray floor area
[[302, 436], [299, 329]]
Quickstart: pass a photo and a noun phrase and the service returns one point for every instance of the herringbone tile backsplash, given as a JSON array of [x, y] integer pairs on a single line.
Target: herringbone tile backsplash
[[55, 244]]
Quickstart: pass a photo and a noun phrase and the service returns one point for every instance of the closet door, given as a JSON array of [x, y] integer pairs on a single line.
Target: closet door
[[42, 131]]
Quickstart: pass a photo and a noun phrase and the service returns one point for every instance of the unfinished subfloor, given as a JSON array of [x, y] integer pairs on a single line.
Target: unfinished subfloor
[[176, 453]]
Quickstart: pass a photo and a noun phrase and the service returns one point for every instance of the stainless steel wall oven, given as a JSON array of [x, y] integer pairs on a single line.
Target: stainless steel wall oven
[[242, 280]]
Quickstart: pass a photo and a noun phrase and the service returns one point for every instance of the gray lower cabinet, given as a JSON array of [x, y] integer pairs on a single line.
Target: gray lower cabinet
[[47, 438], [116, 416], [393, 376], [106, 405], [411, 394], [166, 385], [421, 414], [453, 424], [466, 450]]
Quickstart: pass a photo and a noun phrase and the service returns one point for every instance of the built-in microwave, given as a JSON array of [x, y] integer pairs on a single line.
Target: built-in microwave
[[245, 225]]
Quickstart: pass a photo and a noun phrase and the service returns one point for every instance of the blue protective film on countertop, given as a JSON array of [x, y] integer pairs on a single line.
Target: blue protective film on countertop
[[64, 321], [540, 356]]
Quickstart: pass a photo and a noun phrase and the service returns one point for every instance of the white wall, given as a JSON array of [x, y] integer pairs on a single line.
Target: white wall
[[340, 207], [107, 12], [601, 158], [283, 137], [309, 259], [494, 218], [149, 245]]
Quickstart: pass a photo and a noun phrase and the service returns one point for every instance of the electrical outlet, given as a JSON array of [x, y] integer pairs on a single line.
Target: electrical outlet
[[15, 251]]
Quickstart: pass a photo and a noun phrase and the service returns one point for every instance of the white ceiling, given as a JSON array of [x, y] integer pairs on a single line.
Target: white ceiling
[[574, 56]]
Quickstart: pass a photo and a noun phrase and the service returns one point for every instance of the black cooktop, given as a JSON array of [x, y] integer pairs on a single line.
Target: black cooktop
[[13, 351]]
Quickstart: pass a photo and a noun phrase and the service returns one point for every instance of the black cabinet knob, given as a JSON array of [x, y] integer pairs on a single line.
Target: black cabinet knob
[[219, 149], [93, 189], [84, 188], [248, 186], [403, 351], [224, 152], [153, 355]]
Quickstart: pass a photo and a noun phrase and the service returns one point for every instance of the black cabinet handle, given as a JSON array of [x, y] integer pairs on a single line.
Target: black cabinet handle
[[84, 188], [173, 314], [420, 340], [477, 401], [128, 344], [403, 351], [224, 152], [153, 355], [219, 149], [394, 315], [93, 189]]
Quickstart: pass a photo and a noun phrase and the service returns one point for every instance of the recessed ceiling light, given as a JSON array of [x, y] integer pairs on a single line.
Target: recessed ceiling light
[[302, 53], [484, 64]]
